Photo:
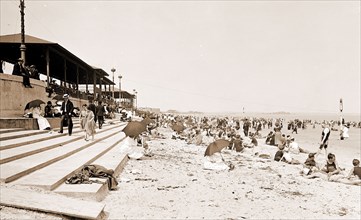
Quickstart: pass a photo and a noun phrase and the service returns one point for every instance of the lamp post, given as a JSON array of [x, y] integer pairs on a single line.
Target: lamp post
[[113, 71], [120, 90], [100, 85], [22, 45], [136, 99]]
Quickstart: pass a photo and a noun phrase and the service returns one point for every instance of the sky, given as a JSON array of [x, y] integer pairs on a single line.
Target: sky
[[211, 56]]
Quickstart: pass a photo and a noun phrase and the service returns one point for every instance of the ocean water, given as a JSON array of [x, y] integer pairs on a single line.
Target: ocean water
[[319, 117]]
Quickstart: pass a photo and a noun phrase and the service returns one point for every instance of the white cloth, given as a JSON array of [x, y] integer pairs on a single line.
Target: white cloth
[[345, 132], [294, 148], [218, 165], [42, 122], [287, 157]]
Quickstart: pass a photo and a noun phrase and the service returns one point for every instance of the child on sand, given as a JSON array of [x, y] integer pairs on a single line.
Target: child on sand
[[309, 165], [356, 170], [331, 167]]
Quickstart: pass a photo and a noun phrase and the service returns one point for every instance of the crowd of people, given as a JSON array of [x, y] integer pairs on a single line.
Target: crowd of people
[[245, 133], [88, 115]]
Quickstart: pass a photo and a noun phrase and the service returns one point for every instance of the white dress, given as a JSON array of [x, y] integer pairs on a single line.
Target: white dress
[[345, 132], [42, 122]]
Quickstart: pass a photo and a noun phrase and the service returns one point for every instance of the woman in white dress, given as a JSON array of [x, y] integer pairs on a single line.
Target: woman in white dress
[[42, 122], [89, 126], [82, 116]]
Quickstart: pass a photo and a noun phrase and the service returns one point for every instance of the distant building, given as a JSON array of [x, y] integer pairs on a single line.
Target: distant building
[[148, 109]]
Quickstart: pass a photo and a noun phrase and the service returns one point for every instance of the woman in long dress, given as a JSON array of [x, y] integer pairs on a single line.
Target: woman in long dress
[[42, 122], [82, 116], [90, 125]]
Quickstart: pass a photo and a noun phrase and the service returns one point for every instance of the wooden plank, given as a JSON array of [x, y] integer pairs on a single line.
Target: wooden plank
[[51, 203]]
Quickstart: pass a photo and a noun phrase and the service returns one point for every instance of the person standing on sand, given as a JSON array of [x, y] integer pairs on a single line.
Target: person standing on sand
[[324, 138]]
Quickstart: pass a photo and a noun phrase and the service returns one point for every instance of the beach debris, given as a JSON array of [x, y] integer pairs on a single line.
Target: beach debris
[[342, 211], [135, 171], [124, 180], [146, 179], [213, 205], [208, 165], [264, 156], [166, 188], [231, 166], [135, 155]]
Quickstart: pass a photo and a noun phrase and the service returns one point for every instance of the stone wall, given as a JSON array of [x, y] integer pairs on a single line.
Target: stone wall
[[26, 123], [14, 96]]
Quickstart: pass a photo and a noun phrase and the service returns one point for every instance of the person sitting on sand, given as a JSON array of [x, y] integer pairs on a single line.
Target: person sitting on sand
[[282, 141], [309, 165], [331, 167], [295, 148], [197, 138], [279, 155], [284, 156], [237, 143], [247, 142], [270, 139], [355, 172], [354, 177]]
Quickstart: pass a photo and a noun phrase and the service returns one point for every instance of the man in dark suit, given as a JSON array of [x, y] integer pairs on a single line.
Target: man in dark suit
[[100, 114], [67, 109], [92, 107], [19, 70]]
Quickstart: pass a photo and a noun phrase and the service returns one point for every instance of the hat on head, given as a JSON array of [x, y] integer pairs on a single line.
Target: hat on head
[[65, 96], [20, 59]]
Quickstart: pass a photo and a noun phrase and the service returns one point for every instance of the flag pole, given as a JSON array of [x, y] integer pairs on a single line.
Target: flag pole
[[341, 119]]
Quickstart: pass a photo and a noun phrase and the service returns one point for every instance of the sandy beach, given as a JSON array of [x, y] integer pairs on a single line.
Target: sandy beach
[[172, 183]]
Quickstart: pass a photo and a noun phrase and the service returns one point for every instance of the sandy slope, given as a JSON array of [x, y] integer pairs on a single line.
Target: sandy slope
[[173, 184]]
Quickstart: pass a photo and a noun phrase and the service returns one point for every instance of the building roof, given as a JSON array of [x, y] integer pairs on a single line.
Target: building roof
[[61, 60], [16, 38]]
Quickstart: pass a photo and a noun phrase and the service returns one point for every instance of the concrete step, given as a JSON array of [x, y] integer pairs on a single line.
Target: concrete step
[[21, 167], [52, 203], [115, 159], [20, 141], [55, 174], [7, 130], [20, 134], [12, 154], [8, 144], [25, 133]]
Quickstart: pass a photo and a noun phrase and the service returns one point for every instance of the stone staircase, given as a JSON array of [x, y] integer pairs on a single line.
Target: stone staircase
[[44, 160]]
